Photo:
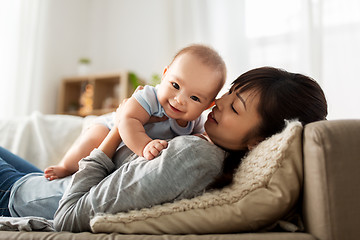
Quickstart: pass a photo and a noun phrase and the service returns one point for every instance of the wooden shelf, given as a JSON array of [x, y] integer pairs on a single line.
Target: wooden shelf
[[93, 94]]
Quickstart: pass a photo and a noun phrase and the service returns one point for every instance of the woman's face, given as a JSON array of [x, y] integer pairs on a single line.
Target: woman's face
[[233, 122]]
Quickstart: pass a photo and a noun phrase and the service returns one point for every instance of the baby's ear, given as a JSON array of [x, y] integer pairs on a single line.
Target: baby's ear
[[211, 104], [164, 72]]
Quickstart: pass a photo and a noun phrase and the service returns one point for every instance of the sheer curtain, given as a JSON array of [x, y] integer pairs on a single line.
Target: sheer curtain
[[319, 38], [315, 37], [21, 47]]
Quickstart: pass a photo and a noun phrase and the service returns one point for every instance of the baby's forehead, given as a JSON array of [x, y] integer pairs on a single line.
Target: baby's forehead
[[205, 60], [208, 91]]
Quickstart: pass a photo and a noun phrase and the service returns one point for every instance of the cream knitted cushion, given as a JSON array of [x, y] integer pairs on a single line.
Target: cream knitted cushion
[[266, 186]]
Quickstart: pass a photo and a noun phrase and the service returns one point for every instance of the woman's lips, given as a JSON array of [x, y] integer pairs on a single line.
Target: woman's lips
[[211, 117]]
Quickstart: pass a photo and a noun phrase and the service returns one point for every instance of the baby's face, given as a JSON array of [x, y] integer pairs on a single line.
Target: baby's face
[[188, 87]]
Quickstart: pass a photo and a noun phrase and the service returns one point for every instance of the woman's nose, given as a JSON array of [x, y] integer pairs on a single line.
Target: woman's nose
[[218, 103]]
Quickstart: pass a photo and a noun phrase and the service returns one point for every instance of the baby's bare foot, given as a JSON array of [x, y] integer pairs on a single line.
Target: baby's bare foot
[[55, 172]]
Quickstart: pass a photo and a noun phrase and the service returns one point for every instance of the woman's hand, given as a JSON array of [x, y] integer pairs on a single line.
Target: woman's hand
[[157, 119], [153, 148]]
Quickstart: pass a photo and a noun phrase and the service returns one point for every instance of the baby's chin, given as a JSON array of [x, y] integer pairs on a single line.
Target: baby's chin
[[176, 116]]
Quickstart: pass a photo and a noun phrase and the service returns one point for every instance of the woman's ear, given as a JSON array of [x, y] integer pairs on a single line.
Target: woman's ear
[[251, 147], [253, 143]]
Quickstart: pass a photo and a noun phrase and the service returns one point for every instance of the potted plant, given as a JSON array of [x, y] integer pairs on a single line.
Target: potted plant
[[84, 66]]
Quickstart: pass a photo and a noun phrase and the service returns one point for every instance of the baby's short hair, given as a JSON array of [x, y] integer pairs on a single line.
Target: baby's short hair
[[207, 56]]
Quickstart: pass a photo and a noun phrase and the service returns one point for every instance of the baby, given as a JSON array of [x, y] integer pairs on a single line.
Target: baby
[[188, 86]]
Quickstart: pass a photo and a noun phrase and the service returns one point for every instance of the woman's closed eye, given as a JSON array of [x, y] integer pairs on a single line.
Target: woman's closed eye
[[175, 85], [232, 107]]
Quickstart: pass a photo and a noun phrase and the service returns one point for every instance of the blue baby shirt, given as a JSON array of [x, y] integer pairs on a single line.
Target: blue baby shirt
[[168, 129], [147, 98]]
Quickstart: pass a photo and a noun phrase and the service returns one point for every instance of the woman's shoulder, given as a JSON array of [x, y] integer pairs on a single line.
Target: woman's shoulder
[[192, 144]]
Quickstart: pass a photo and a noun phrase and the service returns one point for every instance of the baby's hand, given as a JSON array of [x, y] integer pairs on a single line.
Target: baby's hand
[[153, 148]]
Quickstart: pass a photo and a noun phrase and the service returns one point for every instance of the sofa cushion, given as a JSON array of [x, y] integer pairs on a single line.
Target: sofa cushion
[[266, 186], [331, 206]]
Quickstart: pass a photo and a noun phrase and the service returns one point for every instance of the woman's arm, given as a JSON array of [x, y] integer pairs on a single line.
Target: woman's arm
[[183, 170], [101, 166]]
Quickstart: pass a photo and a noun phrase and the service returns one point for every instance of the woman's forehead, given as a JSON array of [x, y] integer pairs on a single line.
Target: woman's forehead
[[249, 89]]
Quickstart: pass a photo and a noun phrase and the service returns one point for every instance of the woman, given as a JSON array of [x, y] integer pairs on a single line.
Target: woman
[[254, 108]]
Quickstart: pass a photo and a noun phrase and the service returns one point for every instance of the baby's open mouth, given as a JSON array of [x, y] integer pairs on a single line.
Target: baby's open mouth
[[174, 108]]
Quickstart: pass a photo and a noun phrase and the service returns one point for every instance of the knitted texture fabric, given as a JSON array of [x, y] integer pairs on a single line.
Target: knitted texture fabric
[[254, 172]]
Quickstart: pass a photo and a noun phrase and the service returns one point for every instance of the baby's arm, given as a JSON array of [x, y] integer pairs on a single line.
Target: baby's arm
[[131, 129]]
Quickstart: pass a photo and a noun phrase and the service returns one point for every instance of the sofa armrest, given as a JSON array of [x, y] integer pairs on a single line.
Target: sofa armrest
[[331, 200]]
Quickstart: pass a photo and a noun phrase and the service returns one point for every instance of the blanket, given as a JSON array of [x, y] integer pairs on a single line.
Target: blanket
[[41, 139], [26, 224]]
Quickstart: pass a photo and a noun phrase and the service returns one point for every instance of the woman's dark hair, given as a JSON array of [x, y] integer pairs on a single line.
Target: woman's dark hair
[[282, 96]]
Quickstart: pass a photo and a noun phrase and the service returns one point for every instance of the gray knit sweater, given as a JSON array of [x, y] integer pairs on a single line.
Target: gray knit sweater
[[128, 182]]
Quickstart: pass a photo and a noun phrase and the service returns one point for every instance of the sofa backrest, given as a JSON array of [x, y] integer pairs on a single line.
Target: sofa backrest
[[331, 201]]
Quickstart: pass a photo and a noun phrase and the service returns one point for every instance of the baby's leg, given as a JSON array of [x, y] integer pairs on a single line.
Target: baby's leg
[[81, 148]]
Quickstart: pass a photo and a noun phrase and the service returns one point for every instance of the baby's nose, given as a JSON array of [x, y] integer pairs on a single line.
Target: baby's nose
[[180, 99]]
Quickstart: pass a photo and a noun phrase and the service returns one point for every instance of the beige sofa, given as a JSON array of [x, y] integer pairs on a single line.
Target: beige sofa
[[330, 199]]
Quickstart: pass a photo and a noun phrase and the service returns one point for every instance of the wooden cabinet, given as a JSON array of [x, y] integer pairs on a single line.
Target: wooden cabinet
[[93, 94]]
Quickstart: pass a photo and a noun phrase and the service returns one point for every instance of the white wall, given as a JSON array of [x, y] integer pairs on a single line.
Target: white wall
[[133, 35], [65, 40], [116, 35]]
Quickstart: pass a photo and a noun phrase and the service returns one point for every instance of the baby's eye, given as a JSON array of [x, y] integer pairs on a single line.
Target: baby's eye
[[230, 91], [195, 98], [176, 86]]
